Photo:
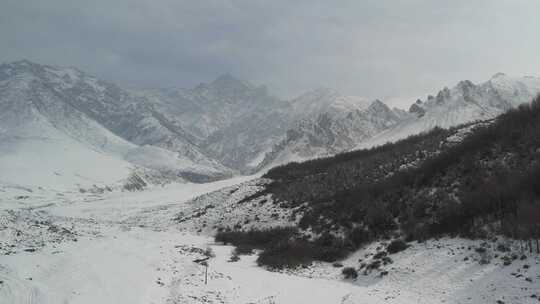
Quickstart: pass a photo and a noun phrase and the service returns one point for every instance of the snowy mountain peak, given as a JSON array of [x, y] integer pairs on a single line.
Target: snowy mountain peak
[[52, 76], [18, 68], [228, 81], [416, 108], [465, 102], [465, 84], [379, 105], [27, 66], [227, 85], [499, 74], [23, 64]]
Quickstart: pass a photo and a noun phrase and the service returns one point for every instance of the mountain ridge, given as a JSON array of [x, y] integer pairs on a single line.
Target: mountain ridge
[[228, 126]]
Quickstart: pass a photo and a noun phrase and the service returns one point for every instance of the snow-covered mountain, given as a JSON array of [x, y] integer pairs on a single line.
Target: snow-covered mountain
[[242, 125], [335, 123], [463, 103], [233, 121], [60, 126], [348, 123]]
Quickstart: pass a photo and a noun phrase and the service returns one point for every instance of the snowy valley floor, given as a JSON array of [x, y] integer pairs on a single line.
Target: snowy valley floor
[[123, 247]]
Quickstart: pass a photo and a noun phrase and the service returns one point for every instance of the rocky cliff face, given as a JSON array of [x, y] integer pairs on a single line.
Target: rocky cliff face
[[336, 129]]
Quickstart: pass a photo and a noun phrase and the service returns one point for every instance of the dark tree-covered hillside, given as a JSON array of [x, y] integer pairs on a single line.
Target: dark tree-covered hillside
[[422, 187]]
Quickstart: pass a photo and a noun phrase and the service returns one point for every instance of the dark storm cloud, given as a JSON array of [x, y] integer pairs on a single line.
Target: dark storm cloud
[[369, 48]]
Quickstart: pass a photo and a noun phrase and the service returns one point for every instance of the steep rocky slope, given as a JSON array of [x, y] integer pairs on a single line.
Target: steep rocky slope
[[335, 123]]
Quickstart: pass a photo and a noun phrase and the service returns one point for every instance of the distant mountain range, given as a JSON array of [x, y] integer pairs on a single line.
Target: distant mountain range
[[375, 124], [61, 127]]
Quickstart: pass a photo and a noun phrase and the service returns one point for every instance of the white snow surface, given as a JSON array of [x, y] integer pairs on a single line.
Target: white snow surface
[[56, 161], [130, 247]]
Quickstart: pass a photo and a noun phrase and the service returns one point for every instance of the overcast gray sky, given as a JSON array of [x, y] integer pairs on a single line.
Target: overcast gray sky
[[360, 47]]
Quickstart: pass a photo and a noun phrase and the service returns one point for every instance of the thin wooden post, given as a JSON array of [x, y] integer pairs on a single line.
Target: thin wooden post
[[203, 262]]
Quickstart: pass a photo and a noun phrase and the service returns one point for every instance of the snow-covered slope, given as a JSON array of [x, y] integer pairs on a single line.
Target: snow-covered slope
[[139, 253], [60, 127], [57, 162], [463, 103]]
